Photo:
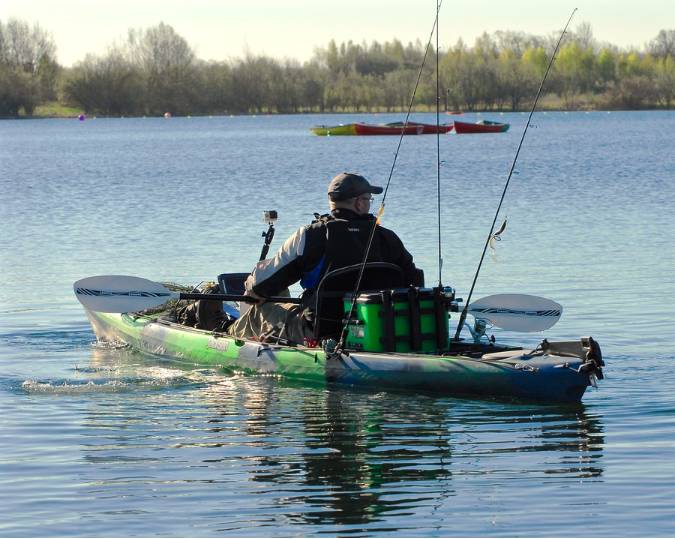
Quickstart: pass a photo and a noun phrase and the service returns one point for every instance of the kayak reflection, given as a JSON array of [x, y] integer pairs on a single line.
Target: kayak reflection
[[360, 456]]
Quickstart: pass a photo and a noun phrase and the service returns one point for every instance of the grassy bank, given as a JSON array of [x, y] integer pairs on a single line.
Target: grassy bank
[[55, 110], [550, 102]]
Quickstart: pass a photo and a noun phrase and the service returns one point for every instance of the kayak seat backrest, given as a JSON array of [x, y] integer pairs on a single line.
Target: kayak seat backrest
[[232, 283], [336, 284]]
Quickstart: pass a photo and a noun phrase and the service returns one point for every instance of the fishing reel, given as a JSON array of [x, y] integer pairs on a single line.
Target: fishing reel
[[480, 326]]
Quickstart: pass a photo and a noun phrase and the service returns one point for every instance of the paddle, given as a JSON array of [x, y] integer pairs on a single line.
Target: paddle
[[517, 312], [125, 294]]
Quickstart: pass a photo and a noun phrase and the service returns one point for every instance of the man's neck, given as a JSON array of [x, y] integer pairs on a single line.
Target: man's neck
[[350, 215]]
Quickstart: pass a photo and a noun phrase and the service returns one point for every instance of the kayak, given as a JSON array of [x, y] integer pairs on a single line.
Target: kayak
[[365, 332], [482, 126], [394, 128], [333, 130], [552, 372]]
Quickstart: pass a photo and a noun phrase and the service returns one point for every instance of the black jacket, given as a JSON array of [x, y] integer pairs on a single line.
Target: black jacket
[[331, 242]]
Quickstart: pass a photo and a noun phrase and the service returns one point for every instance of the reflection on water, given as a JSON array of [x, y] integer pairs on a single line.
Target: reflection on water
[[330, 456]]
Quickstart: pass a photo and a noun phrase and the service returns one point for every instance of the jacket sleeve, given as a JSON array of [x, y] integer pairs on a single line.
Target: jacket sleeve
[[394, 251], [273, 275]]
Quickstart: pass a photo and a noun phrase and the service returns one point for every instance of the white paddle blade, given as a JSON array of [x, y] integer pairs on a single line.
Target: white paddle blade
[[120, 293], [517, 312]]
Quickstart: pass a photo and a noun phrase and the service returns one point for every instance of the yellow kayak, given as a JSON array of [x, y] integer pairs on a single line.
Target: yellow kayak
[[333, 130]]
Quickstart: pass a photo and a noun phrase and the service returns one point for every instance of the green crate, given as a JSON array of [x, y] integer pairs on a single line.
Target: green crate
[[385, 322]]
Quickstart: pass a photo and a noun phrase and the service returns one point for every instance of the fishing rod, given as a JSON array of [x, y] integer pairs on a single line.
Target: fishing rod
[[492, 235], [410, 105], [438, 153], [340, 345]]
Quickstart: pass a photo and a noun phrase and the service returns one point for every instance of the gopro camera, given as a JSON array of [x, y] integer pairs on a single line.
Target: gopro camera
[[270, 217]]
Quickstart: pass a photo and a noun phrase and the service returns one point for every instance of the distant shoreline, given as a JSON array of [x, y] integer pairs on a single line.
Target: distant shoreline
[[63, 113]]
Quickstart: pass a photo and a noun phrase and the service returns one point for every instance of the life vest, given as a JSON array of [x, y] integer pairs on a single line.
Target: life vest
[[346, 244]]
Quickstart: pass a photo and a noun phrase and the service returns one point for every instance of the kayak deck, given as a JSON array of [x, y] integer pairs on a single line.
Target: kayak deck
[[463, 369]]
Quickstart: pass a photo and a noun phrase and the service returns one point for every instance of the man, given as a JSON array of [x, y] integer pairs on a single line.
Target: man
[[331, 242]]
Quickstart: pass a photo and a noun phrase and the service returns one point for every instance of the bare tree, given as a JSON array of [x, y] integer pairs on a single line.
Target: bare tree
[[168, 64], [583, 35], [21, 45], [108, 85], [663, 45]]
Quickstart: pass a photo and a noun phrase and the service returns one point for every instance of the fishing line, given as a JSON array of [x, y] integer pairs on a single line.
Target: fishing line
[[491, 235], [343, 335]]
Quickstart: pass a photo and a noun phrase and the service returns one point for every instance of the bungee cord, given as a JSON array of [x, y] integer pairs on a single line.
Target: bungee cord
[[494, 235]]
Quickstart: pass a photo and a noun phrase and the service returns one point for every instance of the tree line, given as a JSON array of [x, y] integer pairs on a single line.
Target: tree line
[[155, 70]]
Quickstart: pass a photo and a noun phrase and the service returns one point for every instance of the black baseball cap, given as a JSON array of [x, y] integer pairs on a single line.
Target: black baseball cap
[[351, 185]]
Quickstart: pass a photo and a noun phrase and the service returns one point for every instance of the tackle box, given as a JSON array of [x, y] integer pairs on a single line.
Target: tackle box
[[402, 320]]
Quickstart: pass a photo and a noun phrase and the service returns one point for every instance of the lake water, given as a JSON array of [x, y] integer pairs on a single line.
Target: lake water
[[102, 441]]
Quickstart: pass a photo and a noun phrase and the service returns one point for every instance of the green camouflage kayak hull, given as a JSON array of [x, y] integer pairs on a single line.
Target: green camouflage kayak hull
[[554, 372]]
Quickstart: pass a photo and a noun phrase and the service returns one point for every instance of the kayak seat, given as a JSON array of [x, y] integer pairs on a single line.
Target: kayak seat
[[330, 293], [232, 283]]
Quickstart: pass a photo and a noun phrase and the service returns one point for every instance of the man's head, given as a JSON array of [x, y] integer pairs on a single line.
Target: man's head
[[352, 191]]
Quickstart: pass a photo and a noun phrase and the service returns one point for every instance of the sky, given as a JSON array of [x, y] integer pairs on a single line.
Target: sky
[[228, 29]]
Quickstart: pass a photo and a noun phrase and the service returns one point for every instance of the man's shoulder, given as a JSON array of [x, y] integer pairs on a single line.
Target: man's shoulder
[[388, 232], [313, 231]]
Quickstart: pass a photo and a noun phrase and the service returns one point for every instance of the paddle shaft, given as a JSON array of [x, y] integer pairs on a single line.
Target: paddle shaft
[[235, 297]]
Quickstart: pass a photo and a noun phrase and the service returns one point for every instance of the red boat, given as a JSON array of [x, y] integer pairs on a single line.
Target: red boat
[[482, 126], [396, 128], [428, 129]]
